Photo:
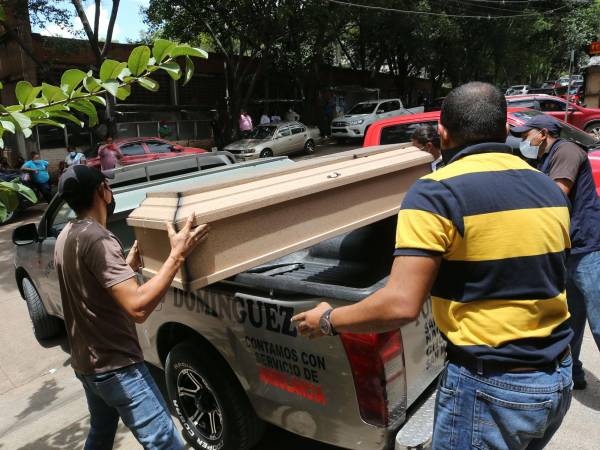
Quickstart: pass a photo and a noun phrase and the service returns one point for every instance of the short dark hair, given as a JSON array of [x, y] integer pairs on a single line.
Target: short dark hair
[[426, 133], [475, 112], [33, 154]]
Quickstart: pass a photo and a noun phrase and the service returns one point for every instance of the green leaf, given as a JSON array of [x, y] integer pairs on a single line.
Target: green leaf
[[1, 85], [9, 196], [110, 69], [18, 189], [14, 108], [111, 86], [27, 132], [148, 83], [2, 14], [88, 108], [161, 49], [123, 92], [186, 50], [52, 123], [67, 116], [138, 60], [7, 125], [22, 91], [98, 99], [172, 69], [71, 79], [91, 84], [189, 70], [124, 74], [53, 93], [23, 122]]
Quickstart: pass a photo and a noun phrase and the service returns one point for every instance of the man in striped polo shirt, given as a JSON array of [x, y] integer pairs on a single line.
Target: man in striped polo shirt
[[488, 236]]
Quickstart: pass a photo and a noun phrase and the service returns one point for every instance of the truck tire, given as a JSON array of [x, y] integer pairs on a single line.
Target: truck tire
[[208, 400], [594, 129], [45, 326]]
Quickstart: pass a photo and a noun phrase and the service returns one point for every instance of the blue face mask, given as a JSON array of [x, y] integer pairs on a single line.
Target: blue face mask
[[529, 151]]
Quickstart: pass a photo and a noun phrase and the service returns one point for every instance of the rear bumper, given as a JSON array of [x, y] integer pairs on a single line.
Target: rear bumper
[[417, 431]]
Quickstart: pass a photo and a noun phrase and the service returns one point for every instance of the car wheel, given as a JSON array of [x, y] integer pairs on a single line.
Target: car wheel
[[594, 129], [45, 326], [266, 153], [309, 147], [208, 400]]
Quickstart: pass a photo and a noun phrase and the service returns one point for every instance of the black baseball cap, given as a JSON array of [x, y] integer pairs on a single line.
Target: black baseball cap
[[79, 181], [539, 122]]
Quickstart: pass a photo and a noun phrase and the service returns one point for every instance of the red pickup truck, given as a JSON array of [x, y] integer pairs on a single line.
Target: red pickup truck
[[399, 129]]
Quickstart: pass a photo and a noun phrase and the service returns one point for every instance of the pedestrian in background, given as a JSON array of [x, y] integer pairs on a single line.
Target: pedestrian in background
[[488, 236], [245, 123], [102, 301], [275, 118], [74, 157], [567, 164], [109, 155], [292, 116], [39, 178], [216, 130], [426, 138], [265, 119]]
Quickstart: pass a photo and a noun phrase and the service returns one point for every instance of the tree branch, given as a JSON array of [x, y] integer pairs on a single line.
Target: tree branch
[[88, 30], [97, 20], [111, 27]]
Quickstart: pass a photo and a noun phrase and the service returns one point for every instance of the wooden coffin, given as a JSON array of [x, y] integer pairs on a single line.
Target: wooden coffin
[[257, 219]]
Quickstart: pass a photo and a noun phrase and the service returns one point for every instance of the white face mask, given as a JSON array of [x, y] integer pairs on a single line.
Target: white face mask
[[529, 151]]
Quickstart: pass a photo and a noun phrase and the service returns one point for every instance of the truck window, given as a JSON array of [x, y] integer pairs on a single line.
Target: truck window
[[159, 147], [396, 134], [133, 149], [393, 105]]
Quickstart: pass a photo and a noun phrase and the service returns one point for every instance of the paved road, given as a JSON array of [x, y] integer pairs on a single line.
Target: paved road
[[42, 404]]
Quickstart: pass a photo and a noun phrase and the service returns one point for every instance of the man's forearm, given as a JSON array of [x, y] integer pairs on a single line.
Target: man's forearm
[[385, 310], [152, 292]]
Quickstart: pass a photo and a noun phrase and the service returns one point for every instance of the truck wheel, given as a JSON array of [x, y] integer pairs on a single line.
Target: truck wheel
[[209, 401], [45, 326], [266, 153], [309, 147], [594, 129]]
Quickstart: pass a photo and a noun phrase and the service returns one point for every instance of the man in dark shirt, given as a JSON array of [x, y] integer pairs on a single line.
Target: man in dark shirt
[[102, 301], [567, 164]]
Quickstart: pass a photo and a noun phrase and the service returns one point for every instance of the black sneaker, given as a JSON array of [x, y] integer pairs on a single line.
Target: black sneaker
[[579, 385]]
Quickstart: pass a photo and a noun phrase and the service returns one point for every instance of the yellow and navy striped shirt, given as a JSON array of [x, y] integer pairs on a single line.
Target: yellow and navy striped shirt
[[502, 229]]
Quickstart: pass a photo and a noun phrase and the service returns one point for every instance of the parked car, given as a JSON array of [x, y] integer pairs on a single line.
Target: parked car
[[400, 129], [576, 93], [359, 118], [277, 139], [518, 89], [232, 358], [586, 119], [564, 81], [143, 149]]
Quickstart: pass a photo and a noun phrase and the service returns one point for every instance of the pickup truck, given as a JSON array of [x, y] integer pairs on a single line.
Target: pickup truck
[[233, 360]]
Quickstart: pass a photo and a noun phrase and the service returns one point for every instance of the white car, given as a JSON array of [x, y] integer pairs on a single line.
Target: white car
[[564, 81], [518, 89], [354, 123]]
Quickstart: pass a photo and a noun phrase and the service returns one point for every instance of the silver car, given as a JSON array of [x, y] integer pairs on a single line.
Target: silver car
[[269, 140]]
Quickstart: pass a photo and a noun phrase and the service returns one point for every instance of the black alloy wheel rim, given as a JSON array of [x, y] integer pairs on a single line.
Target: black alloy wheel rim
[[199, 404], [310, 147]]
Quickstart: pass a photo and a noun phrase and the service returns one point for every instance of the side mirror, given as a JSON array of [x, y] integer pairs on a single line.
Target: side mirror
[[25, 234]]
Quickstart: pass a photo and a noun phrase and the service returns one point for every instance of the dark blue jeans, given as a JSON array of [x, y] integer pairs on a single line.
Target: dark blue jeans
[[132, 394], [509, 410], [583, 296]]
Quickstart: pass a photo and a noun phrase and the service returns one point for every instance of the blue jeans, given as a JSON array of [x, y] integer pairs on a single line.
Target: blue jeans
[[583, 296], [508, 410], [132, 394]]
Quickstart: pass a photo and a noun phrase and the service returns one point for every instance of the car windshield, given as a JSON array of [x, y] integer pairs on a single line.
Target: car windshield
[[568, 131], [262, 132], [363, 108]]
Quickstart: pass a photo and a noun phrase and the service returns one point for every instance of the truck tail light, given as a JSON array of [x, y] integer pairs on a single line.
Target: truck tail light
[[377, 363]]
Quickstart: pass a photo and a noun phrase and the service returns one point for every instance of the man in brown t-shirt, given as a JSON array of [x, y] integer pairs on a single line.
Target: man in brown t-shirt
[[102, 300]]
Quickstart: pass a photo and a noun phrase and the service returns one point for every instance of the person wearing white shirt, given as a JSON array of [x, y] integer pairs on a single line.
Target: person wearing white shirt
[[426, 138], [264, 119]]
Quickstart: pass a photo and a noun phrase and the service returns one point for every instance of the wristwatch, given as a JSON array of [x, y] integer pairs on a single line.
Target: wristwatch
[[325, 324]]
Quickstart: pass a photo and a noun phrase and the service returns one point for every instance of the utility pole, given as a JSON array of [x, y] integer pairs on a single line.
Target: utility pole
[[571, 63]]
